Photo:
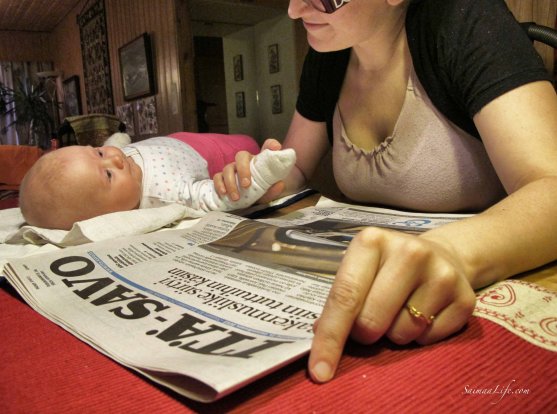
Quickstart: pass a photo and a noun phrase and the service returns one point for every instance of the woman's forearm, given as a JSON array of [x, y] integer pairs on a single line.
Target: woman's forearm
[[517, 234], [295, 181]]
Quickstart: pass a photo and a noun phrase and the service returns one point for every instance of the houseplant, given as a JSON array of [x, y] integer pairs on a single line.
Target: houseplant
[[30, 105]]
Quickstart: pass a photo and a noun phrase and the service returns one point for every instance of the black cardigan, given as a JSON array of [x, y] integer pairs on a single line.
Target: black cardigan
[[465, 53]]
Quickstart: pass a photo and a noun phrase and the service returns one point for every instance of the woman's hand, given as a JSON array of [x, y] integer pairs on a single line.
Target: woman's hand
[[409, 288], [226, 182]]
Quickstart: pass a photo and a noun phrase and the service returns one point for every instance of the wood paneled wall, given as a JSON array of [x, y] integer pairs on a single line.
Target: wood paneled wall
[[168, 23], [540, 11], [128, 19], [543, 12], [18, 46], [65, 49]]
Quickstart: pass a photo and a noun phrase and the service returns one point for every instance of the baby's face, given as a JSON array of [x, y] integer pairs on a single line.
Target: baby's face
[[104, 177]]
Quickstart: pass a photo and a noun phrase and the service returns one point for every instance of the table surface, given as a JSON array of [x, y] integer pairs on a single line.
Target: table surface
[[47, 370]]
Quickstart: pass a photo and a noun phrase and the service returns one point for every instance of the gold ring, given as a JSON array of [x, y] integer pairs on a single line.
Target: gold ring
[[415, 313]]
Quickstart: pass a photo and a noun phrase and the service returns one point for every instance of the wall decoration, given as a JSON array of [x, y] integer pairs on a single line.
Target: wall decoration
[[146, 111], [72, 96], [238, 68], [240, 105], [273, 58], [125, 115], [136, 67], [276, 99], [96, 61]]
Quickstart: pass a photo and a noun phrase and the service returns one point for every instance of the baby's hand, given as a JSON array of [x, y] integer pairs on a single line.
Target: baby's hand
[[226, 182]]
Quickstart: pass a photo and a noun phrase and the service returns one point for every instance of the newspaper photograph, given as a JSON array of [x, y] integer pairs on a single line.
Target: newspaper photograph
[[207, 309]]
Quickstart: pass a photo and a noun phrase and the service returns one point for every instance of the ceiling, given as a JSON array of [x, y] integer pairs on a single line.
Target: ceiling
[[34, 15], [44, 15], [242, 13]]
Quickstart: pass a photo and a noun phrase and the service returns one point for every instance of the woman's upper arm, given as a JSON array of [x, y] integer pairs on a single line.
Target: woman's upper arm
[[309, 140], [519, 131]]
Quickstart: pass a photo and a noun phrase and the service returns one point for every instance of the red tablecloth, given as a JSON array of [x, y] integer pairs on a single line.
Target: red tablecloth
[[44, 369]]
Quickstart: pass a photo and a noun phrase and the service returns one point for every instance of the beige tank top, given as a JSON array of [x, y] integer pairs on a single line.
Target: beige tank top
[[427, 164]]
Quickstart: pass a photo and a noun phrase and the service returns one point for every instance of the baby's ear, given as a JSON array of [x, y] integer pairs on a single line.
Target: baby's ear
[[119, 139]]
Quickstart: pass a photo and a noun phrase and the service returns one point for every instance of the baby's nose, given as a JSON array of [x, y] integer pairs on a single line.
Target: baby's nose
[[115, 160]]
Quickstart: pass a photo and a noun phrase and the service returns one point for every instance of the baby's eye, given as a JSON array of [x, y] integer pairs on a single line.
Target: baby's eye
[[109, 174], [100, 153]]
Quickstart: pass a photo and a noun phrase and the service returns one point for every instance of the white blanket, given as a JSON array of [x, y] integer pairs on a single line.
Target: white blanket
[[17, 239], [13, 229]]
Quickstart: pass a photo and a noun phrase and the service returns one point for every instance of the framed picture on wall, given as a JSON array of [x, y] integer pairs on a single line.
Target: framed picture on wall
[[274, 58], [125, 115], [136, 67], [97, 67], [146, 112], [276, 99], [238, 68], [240, 105], [72, 96]]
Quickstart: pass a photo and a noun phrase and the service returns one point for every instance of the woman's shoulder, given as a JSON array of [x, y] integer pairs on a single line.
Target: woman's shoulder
[[446, 7], [468, 52], [320, 83], [447, 31], [438, 15]]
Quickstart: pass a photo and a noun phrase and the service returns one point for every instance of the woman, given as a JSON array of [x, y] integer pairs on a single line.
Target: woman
[[434, 105]]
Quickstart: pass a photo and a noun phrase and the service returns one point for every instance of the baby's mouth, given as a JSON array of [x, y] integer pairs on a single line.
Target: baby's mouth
[[132, 166]]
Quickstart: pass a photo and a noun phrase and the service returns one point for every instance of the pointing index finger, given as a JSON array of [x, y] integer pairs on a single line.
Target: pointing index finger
[[346, 298]]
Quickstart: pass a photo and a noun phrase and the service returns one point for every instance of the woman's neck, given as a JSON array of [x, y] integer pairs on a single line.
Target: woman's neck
[[384, 48]]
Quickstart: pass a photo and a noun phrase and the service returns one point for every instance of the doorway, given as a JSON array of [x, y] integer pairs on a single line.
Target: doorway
[[210, 85], [213, 23]]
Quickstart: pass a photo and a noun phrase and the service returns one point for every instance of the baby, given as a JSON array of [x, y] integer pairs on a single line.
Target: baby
[[77, 183]]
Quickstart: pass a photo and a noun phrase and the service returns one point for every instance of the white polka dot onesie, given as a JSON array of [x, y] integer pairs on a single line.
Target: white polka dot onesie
[[173, 172]]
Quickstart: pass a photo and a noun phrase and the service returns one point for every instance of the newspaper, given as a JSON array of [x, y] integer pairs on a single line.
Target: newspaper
[[207, 309]]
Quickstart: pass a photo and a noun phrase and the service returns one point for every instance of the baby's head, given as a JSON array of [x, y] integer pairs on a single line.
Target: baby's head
[[78, 183]]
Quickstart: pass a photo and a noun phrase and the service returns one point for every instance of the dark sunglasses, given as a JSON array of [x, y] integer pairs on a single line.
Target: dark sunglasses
[[330, 6]]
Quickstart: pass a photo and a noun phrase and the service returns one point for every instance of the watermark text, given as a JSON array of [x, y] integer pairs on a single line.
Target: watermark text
[[498, 391]]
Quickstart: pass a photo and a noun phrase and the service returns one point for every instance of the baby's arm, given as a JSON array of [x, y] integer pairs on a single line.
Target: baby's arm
[[267, 168]]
